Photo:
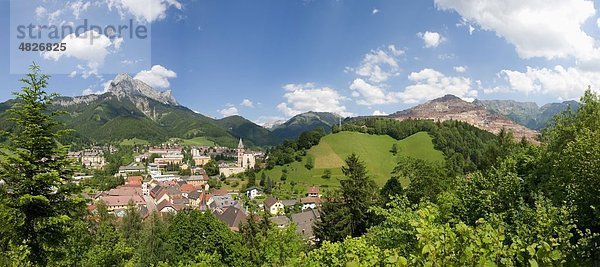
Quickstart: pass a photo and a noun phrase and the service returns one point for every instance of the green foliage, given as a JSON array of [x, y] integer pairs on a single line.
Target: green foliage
[[38, 194], [211, 168], [326, 174], [352, 252], [192, 233], [427, 179], [153, 246], [310, 163], [131, 225], [394, 149]]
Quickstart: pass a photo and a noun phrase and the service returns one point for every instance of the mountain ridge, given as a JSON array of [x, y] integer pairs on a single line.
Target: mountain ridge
[[450, 107]]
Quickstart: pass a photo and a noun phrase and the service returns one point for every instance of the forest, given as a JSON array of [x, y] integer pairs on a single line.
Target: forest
[[496, 202]]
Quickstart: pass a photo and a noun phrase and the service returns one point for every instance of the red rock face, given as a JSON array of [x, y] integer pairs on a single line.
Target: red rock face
[[453, 108]]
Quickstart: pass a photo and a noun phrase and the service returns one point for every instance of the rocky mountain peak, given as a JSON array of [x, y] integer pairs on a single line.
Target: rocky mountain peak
[[126, 86], [450, 107]]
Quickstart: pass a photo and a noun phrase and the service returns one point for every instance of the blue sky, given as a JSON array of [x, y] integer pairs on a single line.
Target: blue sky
[[268, 60]]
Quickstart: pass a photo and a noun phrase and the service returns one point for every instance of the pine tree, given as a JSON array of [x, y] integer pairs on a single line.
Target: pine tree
[[131, 226], [263, 178], [347, 213], [38, 190]]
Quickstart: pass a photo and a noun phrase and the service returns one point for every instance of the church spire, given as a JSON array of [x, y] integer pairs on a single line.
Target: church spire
[[240, 144]]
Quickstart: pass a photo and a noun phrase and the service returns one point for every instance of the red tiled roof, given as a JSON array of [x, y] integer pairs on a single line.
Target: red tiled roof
[[187, 188], [122, 200], [134, 180], [313, 190]]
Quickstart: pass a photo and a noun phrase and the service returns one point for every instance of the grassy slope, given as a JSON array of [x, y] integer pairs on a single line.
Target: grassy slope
[[372, 149], [134, 141], [198, 141]]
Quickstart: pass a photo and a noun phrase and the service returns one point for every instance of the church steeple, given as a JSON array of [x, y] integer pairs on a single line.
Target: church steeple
[[240, 144]]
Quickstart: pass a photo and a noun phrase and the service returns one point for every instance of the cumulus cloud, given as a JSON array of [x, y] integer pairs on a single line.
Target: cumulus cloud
[[379, 113], [369, 94], [228, 111], [431, 39], [539, 28], [144, 10], [379, 65], [460, 69], [307, 97], [429, 84], [560, 82], [157, 77], [247, 103], [89, 46], [40, 12], [375, 11]]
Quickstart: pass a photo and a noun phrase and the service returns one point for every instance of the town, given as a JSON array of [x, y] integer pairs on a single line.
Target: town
[[164, 179]]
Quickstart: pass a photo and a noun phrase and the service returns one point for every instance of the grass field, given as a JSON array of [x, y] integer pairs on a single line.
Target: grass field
[[134, 141], [373, 150]]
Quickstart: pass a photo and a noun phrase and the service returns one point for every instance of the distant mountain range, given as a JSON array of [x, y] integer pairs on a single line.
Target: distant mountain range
[[132, 109], [298, 124], [528, 114], [450, 107]]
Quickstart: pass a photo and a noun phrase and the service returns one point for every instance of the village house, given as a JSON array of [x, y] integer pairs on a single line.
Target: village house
[[165, 150], [169, 159], [233, 217], [253, 192], [200, 160], [120, 202], [280, 221], [90, 158], [134, 181], [310, 203], [313, 191], [222, 202], [274, 206], [197, 180], [132, 169], [305, 222]]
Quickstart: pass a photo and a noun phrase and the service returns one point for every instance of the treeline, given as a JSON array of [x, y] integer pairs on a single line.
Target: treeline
[[293, 150]]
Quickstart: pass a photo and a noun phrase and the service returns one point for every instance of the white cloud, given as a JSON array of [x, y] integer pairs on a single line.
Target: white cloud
[[306, 97], [375, 11], [537, 28], [379, 65], [144, 10], [560, 82], [379, 113], [89, 46], [53, 17], [430, 84], [40, 12], [460, 69], [431, 39], [157, 77], [73, 74], [370, 94], [79, 6], [229, 111], [247, 103], [118, 42]]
